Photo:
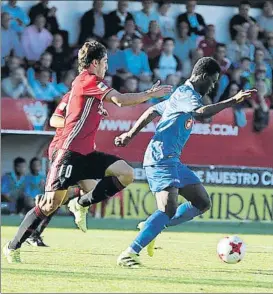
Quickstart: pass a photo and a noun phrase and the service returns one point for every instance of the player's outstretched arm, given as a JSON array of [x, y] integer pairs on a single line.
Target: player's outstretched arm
[[212, 109], [56, 121], [124, 139], [129, 99]]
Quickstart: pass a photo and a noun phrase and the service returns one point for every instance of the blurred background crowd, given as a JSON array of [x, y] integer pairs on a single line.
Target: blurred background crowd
[[39, 62]]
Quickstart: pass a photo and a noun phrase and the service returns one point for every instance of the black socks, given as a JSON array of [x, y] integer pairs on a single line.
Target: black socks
[[106, 188]]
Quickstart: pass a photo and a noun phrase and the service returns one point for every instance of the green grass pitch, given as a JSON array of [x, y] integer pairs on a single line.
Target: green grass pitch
[[185, 262]]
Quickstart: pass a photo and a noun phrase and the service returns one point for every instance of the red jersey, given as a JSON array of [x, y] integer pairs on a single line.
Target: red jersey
[[59, 111], [83, 113]]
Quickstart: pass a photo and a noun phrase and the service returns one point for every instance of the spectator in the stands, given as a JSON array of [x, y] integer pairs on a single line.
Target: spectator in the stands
[[184, 44], [93, 23], [43, 89], [265, 20], [51, 19], [126, 36], [16, 85], [166, 22], [221, 57], [19, 19], [153, 41], [195, 20], [260, 103], [115, 20], [225, 64], [35, 180], [61, 55], [144, 16], [115, 55], [269, 46], [238, 111], [35, 39], [12, 63], [259, 59], [208, 44], [45, 62], [13, 186], [260, 74], [9, 40], [196, 54], [136, 60], [167, 63], [245, 67], [66, 81], [253, 33], [109, 81], [130, 85], [239, 48], [172, 80], [241, 22]]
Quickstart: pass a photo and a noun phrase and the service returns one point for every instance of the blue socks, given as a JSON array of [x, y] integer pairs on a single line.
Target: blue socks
[[159, 220], [153, 226], [184, 213]]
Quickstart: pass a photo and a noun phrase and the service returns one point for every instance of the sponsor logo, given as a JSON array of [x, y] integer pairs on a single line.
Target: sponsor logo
[[36, 113], [198, 128], [228, 204]]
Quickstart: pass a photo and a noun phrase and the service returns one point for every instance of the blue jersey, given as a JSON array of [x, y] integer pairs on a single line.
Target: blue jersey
[[174, 128]]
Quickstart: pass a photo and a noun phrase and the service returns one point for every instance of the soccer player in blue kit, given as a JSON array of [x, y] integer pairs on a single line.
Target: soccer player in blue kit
[[166, 175]]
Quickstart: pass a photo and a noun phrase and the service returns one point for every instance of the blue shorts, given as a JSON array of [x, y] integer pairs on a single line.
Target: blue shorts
[[175, 175]]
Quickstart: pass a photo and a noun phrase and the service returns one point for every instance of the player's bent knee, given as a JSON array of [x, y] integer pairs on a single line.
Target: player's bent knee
[[128, 175]]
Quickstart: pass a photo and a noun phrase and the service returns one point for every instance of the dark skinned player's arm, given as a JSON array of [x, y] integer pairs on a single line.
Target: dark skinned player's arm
[[56, 121], [212, 109], [149, 115]]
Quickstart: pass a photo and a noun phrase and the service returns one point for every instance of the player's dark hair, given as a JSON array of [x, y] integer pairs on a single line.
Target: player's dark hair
[[18, 160], [206, 65], [168, 39], [90, 51], [31, 163], [244, 2]]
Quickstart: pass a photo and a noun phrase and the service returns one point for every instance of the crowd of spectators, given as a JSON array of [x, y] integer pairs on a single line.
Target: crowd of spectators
[[19, 187], [143, 46]]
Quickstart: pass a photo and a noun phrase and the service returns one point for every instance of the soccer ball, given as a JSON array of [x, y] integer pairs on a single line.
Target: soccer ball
[[231, 249]]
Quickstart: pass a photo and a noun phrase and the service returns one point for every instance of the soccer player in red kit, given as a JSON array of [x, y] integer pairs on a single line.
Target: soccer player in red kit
[[76, 160], [56, 121]]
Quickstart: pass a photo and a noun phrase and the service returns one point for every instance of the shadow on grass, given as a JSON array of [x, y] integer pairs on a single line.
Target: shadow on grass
[[122, 274], [67, 222]]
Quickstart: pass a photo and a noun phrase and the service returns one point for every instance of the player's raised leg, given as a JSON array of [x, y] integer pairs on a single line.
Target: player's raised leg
[[117, 176], [167, 204]]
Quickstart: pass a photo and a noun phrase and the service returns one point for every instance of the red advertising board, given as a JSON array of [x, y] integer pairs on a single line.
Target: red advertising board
[[217, 143]]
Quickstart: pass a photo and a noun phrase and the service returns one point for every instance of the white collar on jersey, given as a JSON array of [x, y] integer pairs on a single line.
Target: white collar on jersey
[[189, 84]]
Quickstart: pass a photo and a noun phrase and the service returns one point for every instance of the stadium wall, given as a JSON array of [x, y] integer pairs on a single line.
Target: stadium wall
[[70, 12]]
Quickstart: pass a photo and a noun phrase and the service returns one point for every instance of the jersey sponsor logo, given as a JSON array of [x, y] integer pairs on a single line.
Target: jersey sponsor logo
[[102, 86], [188, 124]]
